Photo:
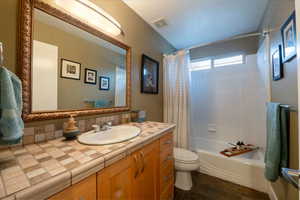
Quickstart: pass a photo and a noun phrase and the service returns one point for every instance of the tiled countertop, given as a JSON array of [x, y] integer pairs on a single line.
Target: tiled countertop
[[39, 170]]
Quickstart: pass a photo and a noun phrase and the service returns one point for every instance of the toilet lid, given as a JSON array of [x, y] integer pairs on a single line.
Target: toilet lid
[[183, 155]]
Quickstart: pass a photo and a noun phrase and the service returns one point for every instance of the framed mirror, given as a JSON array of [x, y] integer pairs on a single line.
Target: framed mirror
[[68, 66]]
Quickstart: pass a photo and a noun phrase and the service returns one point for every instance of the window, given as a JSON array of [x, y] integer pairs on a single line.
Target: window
[[200, 65], [229, 61], [210, 63]]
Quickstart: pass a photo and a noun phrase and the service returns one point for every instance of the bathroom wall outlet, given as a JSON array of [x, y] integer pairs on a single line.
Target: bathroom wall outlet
[[212, 128]]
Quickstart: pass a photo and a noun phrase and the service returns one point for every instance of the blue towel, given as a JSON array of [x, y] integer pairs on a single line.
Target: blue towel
[[276, 155], [101, 103], [11, 123]]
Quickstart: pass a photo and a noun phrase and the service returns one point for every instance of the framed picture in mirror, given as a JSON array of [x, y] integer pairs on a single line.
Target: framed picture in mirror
[[150, 75], [104, 83], [90, 76], [70, 69]]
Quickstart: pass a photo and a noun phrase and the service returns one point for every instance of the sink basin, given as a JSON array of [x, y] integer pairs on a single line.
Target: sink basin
[[116, 134]]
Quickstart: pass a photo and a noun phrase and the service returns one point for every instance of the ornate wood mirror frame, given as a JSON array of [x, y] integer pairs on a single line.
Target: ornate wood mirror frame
[[25, 61]]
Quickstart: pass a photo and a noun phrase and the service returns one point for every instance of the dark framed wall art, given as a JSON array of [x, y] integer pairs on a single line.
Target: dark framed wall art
[[104, 83], [90, 76], [70, 69], [277, 64], [149, 75], [289, 41]]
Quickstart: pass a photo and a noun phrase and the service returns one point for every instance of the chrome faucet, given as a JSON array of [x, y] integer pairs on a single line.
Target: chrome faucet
[[106, 126]]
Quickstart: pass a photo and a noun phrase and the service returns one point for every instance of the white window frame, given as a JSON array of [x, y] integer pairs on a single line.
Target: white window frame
[[212, 61], [201, 68], [229, 56]]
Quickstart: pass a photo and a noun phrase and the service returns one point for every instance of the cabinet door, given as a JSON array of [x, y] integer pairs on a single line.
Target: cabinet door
[[145, 182], [115, 181], [84, 190], [66, 195]]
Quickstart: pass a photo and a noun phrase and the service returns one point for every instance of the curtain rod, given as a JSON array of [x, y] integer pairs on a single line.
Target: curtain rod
[[227, 39], [240, 36], [219, 41]]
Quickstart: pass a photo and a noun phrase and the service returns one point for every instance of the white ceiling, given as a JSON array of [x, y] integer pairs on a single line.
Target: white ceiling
[[193, 22]]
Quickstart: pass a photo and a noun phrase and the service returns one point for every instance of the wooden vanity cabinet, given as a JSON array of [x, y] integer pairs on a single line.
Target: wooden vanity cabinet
[[134, 177], [146, 174], [84, 190]]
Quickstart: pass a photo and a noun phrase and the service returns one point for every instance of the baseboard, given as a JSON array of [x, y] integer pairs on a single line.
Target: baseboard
[[271, 193]]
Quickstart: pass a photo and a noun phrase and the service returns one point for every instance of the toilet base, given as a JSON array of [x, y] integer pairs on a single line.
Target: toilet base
[[184, 180]]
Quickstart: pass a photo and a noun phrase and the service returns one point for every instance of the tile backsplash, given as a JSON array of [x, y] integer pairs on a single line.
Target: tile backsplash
[[46, 132]]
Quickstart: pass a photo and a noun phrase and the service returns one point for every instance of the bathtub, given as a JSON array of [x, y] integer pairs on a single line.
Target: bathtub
[[246, 169]]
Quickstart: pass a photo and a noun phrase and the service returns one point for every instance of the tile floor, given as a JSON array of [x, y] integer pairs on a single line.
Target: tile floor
[[210, 188]]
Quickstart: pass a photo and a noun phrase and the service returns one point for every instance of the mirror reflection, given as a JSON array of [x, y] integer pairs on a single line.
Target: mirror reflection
[[84, 71]]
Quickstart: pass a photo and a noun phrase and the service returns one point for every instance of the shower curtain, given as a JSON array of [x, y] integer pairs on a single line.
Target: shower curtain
[[176, 95]]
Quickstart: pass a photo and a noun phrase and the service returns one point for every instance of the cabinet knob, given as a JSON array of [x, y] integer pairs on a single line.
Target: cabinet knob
[[81, 198]]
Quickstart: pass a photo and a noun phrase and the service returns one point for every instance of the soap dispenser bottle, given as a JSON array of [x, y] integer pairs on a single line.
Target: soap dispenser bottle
[[71, 130]]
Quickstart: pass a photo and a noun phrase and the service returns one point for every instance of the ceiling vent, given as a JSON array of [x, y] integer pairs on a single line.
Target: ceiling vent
[[160, 23]]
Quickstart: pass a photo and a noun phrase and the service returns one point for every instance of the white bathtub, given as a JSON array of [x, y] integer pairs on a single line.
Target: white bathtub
[[246, 169]]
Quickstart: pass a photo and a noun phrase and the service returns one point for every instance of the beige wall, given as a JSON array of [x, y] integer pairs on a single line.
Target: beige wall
[[284, 90], [90, 55], [138, 34], [246, 46]]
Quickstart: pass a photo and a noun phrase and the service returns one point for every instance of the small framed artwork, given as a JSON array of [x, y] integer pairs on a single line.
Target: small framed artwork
[[70, 69], [104, 83], [289, 41], [149, 75], [90, 76], [277, 65]]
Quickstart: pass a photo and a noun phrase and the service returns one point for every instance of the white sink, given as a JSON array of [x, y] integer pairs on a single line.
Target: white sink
[[116, 134]]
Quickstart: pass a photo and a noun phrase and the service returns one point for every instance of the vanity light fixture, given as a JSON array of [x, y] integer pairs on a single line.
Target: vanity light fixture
[[91, 14]]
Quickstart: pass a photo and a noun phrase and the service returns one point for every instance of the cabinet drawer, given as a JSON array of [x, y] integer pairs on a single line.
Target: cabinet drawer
[[166, 175], [168, 193], [166, 142], [84, 190]]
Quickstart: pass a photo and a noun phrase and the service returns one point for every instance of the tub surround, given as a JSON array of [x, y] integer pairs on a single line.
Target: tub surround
[[41, 170], [233, 104]]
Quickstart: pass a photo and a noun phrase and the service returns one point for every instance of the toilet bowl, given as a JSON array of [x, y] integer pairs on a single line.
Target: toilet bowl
[[185, 162]]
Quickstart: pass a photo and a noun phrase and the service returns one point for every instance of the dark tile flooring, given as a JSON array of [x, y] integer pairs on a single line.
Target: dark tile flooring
[[210, 188]]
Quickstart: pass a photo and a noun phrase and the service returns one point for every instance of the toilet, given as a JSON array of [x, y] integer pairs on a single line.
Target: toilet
[[185, 162]]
